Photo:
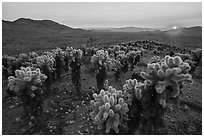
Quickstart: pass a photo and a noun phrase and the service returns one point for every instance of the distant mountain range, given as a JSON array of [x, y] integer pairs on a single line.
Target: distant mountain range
[[123, 29], [36, 27], [30, 34], [51, 26]]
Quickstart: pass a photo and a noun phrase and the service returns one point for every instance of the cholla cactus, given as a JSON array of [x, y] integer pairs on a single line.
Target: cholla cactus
[[46, 60], [133, 88], [109, 109], [76, 53], [58, 52], [28, 86], [132, 53], [155, 59], [106, 85], [70, 51], [197, 57], [23, 56], [26, 79], [166, 76], [33, 54], [49, 53], [102, 58]]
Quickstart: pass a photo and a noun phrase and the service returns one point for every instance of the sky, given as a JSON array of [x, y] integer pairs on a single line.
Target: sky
[[106, 14]]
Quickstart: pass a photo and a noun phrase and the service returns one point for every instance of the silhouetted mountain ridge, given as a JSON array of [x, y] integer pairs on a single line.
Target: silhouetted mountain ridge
[[29, 26]]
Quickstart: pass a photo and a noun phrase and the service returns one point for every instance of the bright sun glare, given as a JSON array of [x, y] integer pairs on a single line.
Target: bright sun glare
[[174, 27]]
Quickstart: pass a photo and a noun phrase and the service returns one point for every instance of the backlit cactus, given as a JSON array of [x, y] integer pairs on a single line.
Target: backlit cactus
[[109, 109], [59, 52], [133, 88], [102, 58], [167, 74], [71, 52], [46, 60], [77, 53], [26, 79]]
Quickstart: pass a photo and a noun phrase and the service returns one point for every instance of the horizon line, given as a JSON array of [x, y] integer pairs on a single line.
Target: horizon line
[[100, 27]]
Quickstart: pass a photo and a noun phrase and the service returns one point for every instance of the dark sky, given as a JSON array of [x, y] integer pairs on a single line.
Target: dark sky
[[85, 15]]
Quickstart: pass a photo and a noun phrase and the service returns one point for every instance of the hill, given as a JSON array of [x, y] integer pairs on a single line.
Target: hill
[[24, 26], [25, 35]]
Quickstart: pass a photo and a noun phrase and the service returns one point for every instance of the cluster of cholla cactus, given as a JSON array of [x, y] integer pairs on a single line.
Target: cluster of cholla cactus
[[110, 109], [67, 57], [58, 52], [71, 52], [167, 76], [23, 57], [101, 58], [134, 58], [101, 62], [75, 66], [197, 57], [46, 61], [46, 64], [68, 50], [133, 89], [59, 60], [155, 59], [133, 93], [26, 81], [28, 86], [77, 53], [5, 65], [150, 98], [116, 66], [33, 55], [147, 100]]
